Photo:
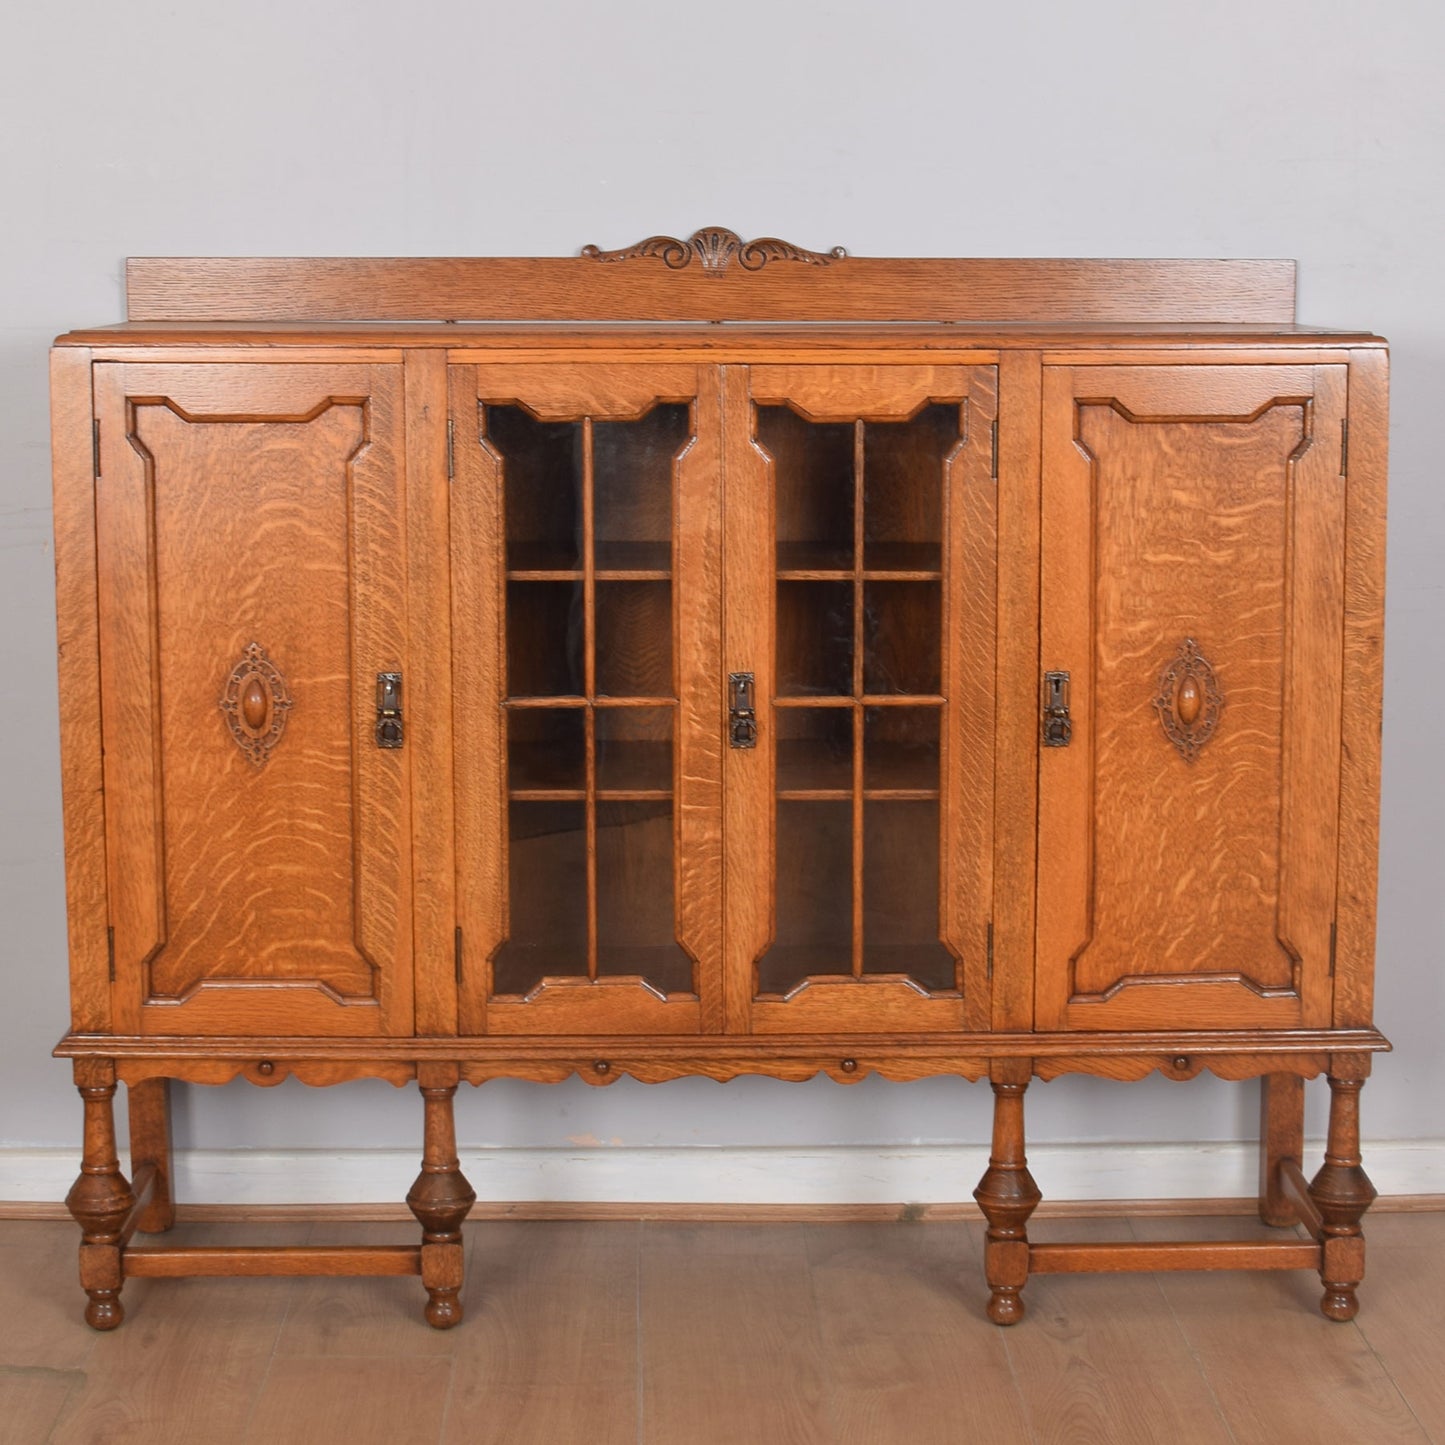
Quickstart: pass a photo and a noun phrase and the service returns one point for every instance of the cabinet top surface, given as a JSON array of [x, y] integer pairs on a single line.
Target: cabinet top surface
[[721, 337]]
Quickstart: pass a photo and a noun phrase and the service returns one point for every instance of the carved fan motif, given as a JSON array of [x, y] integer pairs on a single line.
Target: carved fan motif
[[1189, 700], [715, 249], [255, 704]]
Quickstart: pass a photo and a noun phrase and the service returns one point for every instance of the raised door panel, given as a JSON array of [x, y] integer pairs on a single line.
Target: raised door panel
[[1192, 588], [251, 588], [586, 604], [862, 595]]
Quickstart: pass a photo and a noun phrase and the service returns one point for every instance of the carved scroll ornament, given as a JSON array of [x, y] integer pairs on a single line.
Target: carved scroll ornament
[[255, 704], [1189, 701], [715, 249]]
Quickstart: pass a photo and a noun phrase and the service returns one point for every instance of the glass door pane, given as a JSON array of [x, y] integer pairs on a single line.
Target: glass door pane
[[589, 699], [858, 708]]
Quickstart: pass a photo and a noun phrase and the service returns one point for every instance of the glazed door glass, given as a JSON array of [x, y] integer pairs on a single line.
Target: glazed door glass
[[873, 692], [858, 704], [599, 609]]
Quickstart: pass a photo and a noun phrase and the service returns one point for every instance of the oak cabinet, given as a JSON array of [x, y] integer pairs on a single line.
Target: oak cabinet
[[986, 683]]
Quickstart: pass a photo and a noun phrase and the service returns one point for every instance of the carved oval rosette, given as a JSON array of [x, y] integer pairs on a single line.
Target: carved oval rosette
[[255, 704], [1189, 700]]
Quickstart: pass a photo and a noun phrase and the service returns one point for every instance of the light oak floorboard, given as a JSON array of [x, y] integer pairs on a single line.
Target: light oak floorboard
[[38, 1266], [1402, 1311], [379, 1315], [31, 1401], [731, 1351], [1279, 1369], [687, 1334], [548, 1346], [190, 1360], [1100, 1359], [908, 1354], [361, 1400]]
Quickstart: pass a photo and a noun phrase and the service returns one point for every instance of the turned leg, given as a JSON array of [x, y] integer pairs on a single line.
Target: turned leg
[[1342, 1192], [1281, 1137], [149, 1104], [100, 1201], [440, 1199], [1007, 1195]]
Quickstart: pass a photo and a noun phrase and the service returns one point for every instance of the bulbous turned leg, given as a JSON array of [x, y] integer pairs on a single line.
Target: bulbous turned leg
[[440, 1199], [1342, 1192], [1007, 1195], [100, 1201]]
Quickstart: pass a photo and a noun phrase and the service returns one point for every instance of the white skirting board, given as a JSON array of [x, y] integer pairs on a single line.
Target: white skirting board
[[929, 1174]]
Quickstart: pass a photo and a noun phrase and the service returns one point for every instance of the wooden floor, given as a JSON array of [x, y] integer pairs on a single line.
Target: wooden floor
[[690, 1334]]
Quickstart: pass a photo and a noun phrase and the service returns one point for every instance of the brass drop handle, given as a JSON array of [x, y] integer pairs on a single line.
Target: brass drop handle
[[742, 715], [1058, 726], [389, 726]]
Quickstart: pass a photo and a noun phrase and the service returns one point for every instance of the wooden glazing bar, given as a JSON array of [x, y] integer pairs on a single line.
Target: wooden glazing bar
[[229, 1260], [882, 699], [858, 675], [589, 683], [1146, 1256]]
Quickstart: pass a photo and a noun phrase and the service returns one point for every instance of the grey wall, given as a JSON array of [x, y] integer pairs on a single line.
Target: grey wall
[[1113, 129]]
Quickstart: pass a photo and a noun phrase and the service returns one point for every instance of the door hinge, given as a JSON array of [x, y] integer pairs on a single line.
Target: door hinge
[[1334, 934], [95, 446], [451, 449], [1344, 446], [988, 965], [457, 955], [110, 950], [993, 449]]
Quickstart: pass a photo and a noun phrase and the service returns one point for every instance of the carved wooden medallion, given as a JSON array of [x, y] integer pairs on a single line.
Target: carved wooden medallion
[[715, 249], [1189, 700], [255, 704]]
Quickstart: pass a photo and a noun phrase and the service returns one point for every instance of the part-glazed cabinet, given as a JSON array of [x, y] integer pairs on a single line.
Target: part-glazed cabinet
[[953, 667]]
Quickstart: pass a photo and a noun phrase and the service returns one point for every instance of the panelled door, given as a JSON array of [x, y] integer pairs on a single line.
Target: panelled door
[[251, 591], [587, 587], [861, 602], [1192, 592]]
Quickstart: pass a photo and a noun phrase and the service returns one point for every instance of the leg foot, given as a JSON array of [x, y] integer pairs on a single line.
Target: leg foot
[[1340, 1303], [103, 1310], [443, 1308], [440, 1199], [1342, 1192], [1007, 1195], [100, 1201], [1005, 1305]]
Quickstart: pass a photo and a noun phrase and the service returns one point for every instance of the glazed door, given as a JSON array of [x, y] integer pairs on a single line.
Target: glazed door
[[586, 597], [251, 591], [1193, 557], [861, 551]]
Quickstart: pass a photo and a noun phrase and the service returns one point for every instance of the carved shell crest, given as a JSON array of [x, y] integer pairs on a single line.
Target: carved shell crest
[[715, 249]]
